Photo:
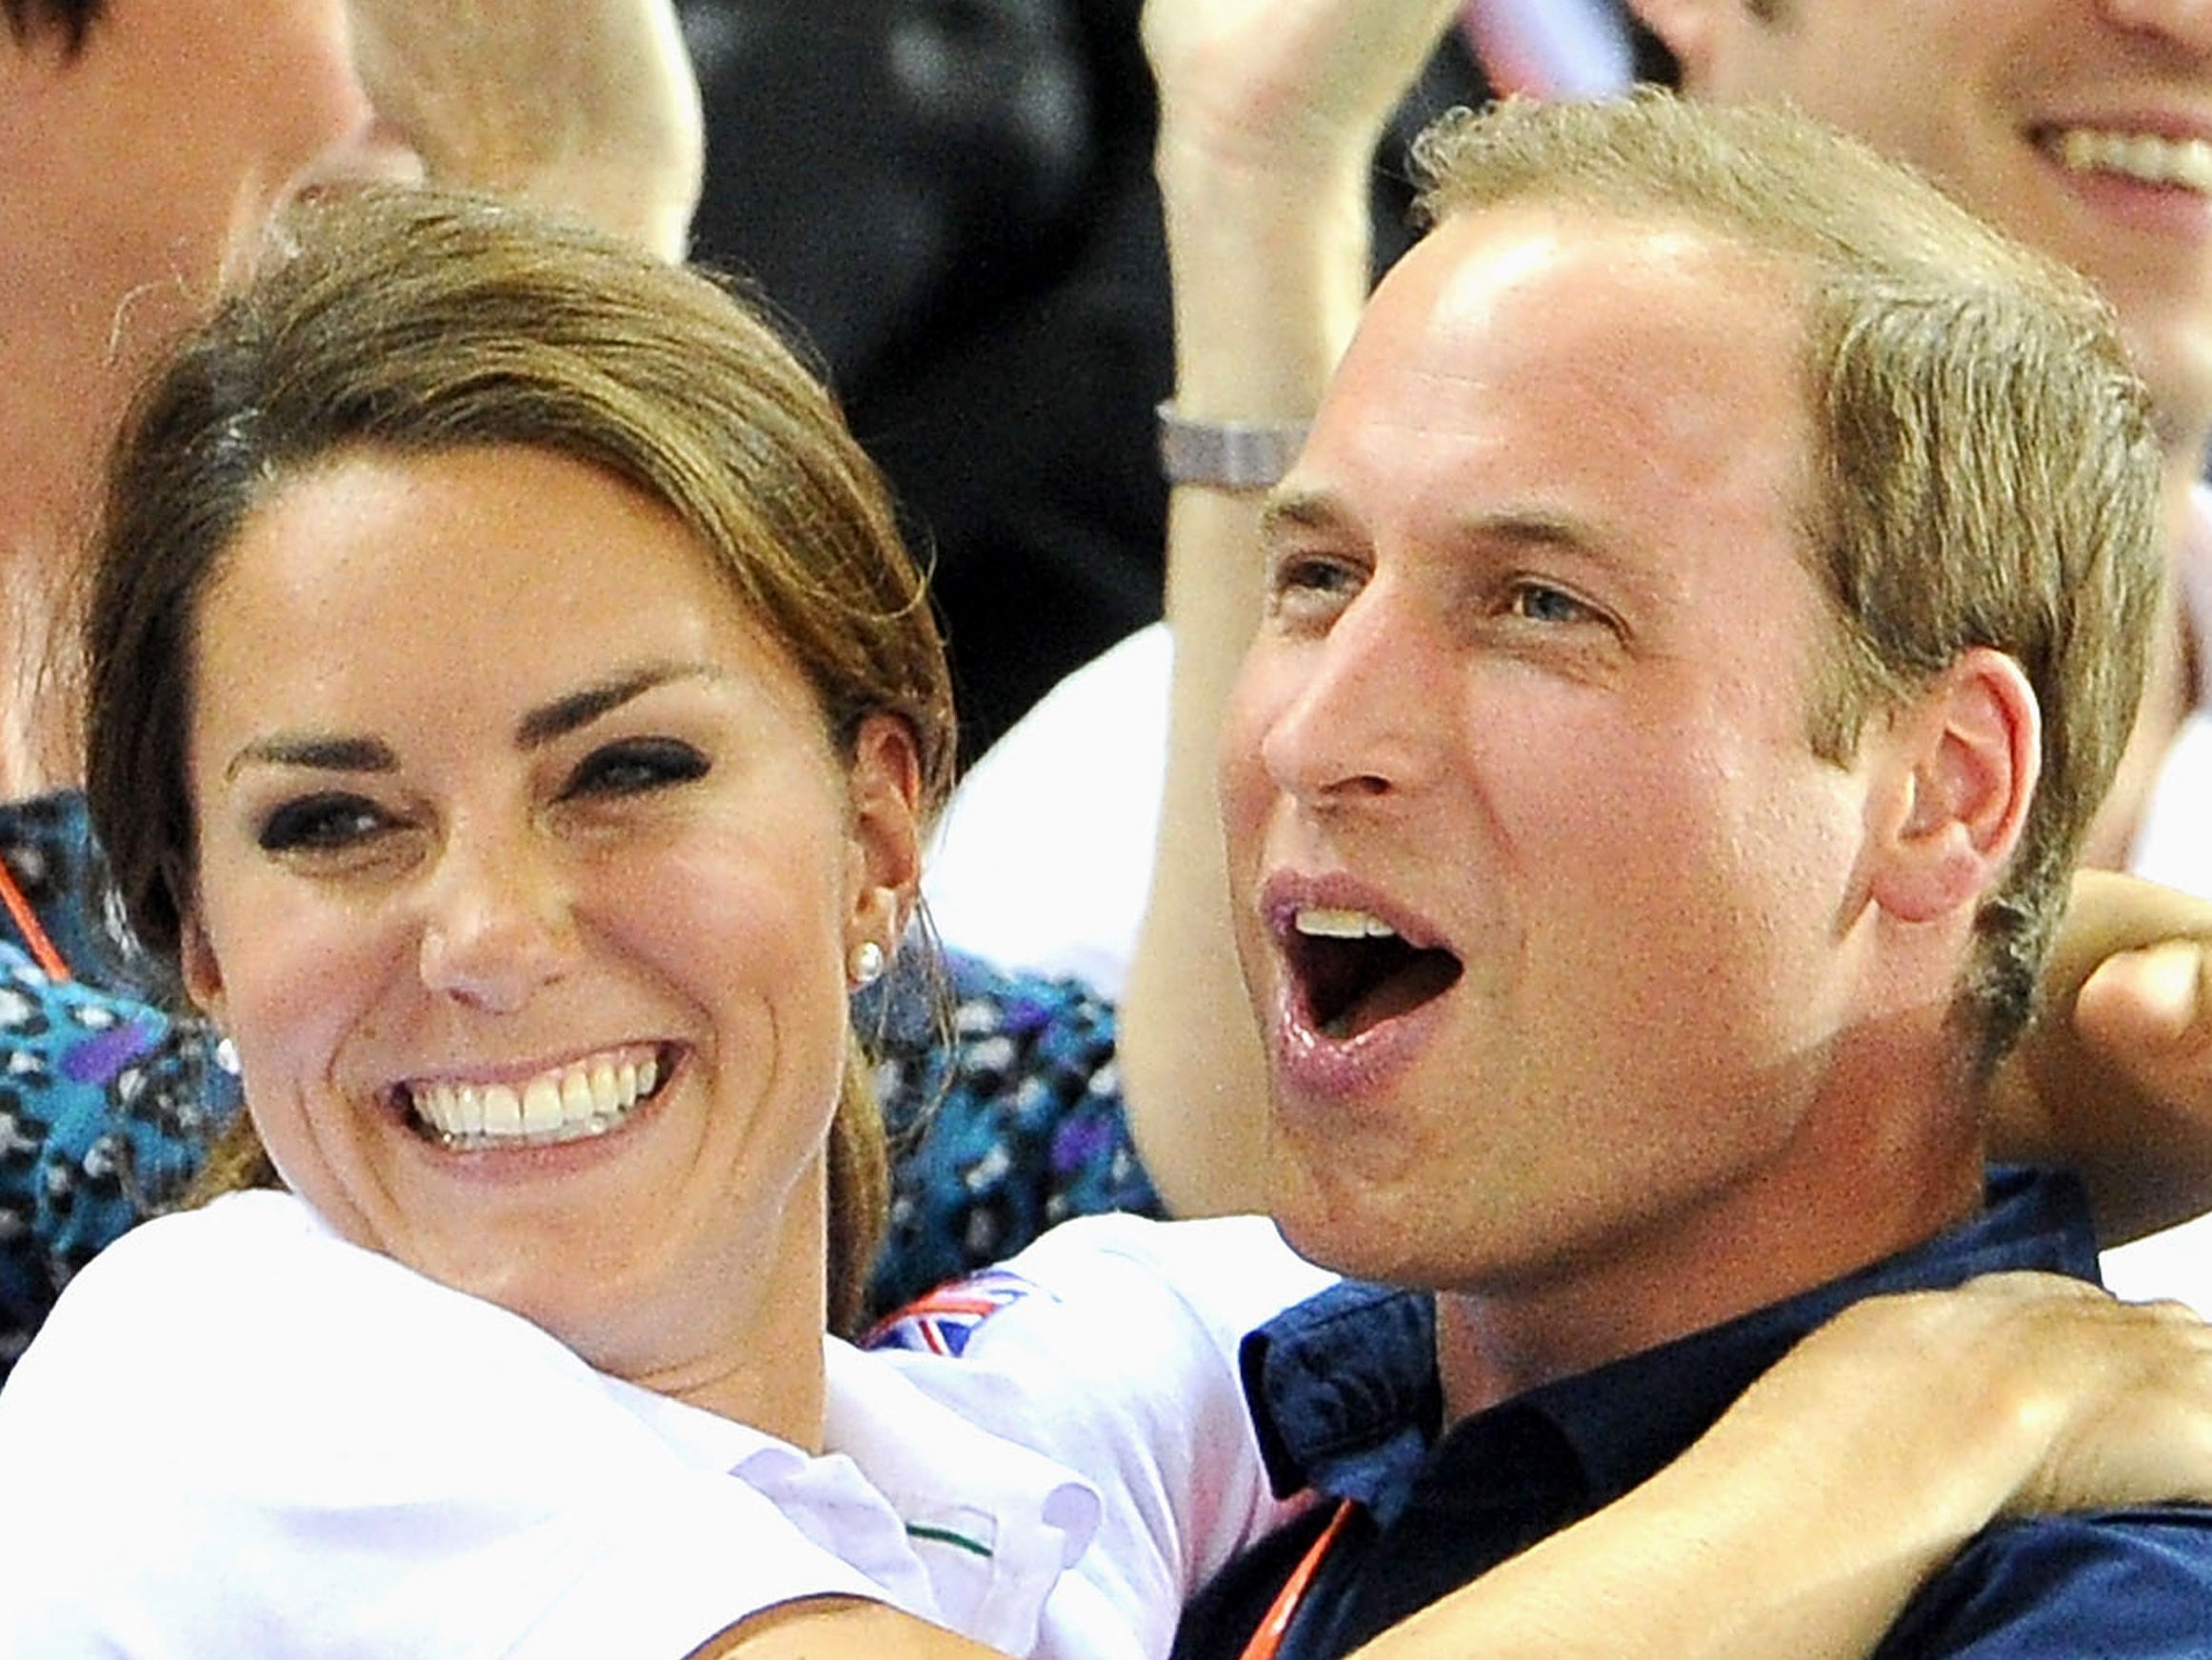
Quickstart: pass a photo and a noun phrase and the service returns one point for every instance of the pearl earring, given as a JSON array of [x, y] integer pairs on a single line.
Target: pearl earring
[[865, 966]]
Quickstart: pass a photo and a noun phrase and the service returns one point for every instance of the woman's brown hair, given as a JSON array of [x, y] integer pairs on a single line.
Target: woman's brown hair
[[417, 323]]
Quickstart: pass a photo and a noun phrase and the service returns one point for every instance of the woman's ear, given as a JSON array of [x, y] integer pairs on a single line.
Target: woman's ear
[[1966, 755], [203, 973], [885, 786]]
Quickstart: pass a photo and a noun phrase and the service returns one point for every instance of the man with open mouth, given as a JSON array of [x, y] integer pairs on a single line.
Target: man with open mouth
[[1700, 626]]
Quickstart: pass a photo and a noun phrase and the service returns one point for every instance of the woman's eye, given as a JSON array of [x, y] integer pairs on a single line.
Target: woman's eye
[[316, 823], [636, 766]]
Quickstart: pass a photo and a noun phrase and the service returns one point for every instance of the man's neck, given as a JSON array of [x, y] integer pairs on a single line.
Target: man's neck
[[1873, 1171]]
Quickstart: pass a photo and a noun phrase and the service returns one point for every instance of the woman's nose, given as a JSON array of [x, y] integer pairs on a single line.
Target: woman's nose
[[496, 926]]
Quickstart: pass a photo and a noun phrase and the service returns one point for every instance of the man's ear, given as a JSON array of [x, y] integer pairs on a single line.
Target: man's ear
[[1965, 756], [886, 785], [203, 973]]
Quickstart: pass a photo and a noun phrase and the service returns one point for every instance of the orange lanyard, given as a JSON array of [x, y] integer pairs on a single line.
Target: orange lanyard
[[26, 923], [1284, 1609]]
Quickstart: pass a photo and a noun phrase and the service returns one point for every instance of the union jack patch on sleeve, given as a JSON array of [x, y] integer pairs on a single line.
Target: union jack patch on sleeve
[[942, 1321]]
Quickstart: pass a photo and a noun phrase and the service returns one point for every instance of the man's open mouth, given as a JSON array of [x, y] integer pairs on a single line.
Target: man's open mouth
[[1352, 970]]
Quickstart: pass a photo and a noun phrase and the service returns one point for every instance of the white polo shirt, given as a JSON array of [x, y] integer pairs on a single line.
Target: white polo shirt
[[238, 1433]]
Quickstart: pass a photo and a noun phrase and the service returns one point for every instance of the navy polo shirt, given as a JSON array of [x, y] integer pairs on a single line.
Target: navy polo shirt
[[1344, 1396]]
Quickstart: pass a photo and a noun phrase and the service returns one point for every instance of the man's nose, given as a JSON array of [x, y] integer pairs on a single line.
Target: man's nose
[[1360, 725]]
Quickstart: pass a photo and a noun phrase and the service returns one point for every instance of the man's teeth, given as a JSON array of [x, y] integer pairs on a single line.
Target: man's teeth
[[567, 1104], [2138, 155], [1324, 923]]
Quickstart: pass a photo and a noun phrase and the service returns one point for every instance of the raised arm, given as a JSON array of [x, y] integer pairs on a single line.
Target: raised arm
[[586, 108], [1271, 112], [2116, 1078]]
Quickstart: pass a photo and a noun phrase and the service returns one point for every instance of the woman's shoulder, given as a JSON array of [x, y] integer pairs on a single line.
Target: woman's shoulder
[[256, 1286]]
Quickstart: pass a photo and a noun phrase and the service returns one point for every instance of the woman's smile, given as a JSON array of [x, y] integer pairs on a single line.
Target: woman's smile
[[479, 1113], [534, 960]]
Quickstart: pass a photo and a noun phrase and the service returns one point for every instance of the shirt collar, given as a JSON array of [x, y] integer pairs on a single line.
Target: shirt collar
[[958, 1525], [1345, 1400]]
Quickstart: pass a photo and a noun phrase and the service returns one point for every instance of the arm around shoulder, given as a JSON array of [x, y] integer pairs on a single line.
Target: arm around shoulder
[[1810, 1516], [838, 1629]]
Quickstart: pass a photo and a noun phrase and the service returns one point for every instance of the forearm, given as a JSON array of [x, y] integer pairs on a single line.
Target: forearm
[[1802, 1522], [1267, 132], [1190, 1061], [838, 1629], [1706, 1560]]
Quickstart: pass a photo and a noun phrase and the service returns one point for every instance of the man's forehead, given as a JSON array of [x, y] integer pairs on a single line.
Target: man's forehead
[[1522, 306], [1535, 246], [1537, 383]]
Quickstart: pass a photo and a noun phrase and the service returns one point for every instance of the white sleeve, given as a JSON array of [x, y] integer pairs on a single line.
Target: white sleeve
[[238, 1435], [1115, 1352]]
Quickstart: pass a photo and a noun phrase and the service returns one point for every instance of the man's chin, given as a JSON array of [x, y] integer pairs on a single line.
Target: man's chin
[[1341, 1227]]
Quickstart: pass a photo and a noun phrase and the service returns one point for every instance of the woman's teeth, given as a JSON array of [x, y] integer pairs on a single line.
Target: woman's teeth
[[566, 1103]]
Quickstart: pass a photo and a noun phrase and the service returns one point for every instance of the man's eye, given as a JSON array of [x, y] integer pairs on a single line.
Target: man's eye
[[1539, 602], [1307, 573], [636, 766], [316, 823]]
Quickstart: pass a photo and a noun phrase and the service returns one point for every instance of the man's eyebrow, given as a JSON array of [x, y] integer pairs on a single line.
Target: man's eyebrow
[[1300, 510], [563, 716], [1532, 528], [315, 751], [1561, 531], [1535, 529]]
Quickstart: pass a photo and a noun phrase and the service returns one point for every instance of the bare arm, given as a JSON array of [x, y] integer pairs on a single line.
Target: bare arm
[[835, 1628], [2116, 1080], [1806, 1517], [1270, 111]]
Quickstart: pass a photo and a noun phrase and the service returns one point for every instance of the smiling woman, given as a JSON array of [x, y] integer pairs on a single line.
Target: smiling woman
[[561, 966], [514, 879]]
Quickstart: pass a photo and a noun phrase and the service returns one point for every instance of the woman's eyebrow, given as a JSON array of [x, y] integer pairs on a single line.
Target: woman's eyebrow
[[326, 754], [566, 714]]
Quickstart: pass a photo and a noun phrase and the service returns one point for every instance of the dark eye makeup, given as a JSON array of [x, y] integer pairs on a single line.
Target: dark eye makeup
[[319, 823], [635, 766]]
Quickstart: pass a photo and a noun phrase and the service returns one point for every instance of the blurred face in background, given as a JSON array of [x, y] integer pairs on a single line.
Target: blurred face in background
[[2083, 126], [136, 171]]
